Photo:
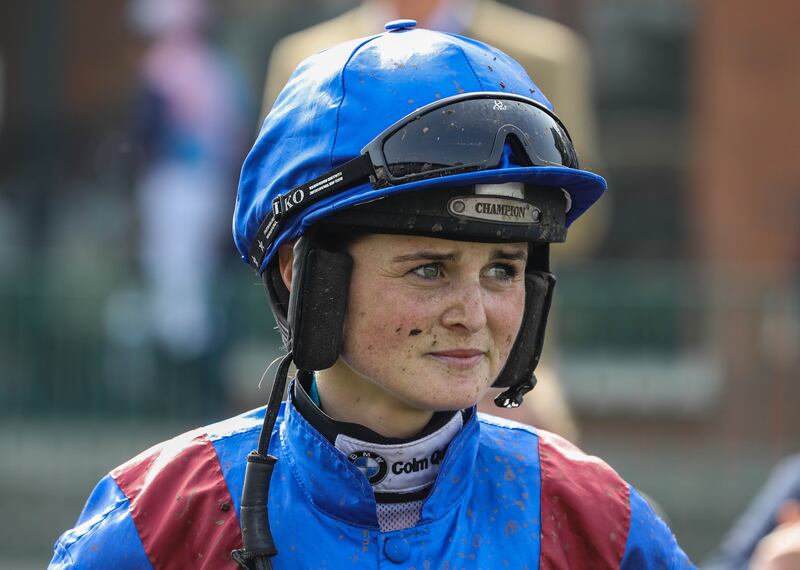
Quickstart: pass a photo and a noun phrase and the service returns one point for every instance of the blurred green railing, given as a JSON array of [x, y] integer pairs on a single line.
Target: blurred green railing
[[59, 357], [627, 307]]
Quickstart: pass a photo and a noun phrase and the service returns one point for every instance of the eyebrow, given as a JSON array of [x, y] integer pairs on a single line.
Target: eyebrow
[[424, 255], [427, 256], [521, 254]]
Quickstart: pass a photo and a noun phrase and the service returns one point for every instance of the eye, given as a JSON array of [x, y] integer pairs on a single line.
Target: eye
[[502, 272], [428, 271]]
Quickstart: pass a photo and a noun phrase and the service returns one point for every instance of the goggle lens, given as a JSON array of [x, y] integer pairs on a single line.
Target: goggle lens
[[471, 134]]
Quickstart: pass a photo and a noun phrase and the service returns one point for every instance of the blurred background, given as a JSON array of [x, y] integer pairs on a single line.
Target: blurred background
[[127, 317]]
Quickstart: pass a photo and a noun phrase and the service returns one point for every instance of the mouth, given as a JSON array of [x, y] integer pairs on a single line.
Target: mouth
[[461, 358]]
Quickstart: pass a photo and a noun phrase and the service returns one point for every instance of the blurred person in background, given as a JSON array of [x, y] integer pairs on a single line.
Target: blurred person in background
[[405, 280], [767, 535], [552, 53], [190, 123], [780, 549], [557, 56]]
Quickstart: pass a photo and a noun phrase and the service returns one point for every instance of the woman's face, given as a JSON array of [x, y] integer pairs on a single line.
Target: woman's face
[[431, 321]]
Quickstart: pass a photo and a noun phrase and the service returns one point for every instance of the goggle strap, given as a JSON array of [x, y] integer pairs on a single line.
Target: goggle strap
[[347, 175]]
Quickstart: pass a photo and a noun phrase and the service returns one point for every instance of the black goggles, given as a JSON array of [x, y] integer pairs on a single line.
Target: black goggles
[[464, 133]]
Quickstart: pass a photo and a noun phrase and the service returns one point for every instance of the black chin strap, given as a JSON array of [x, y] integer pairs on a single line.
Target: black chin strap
[[258, 545]]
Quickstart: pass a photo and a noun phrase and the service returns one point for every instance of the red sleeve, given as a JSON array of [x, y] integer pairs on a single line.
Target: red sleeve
[[585, 508], [180, 504]]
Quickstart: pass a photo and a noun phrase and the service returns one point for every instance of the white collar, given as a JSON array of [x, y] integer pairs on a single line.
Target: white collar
[[401, 467]]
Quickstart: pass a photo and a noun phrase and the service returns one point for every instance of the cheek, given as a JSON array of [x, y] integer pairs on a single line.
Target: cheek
[[381, 323], [507, 319]]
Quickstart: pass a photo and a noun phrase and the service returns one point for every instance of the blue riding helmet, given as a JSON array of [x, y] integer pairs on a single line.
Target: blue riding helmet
[[339, 100]]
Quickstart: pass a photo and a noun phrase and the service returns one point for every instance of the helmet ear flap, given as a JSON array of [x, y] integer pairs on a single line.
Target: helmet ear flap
[[317, 303], [527, 348]]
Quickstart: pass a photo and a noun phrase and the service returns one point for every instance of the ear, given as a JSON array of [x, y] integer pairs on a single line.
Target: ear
[[285, 262]]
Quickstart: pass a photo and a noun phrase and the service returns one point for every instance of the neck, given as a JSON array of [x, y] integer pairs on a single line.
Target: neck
[[347, 396]]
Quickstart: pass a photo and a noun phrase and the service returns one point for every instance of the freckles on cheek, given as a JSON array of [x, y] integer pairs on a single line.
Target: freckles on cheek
[[382, 329], [384, 317], [507, 324]]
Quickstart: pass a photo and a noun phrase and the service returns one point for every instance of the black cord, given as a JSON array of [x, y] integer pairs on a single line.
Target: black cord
[[257, 542], [274, 403]]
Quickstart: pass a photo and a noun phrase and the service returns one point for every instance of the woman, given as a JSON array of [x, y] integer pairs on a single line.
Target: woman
[[399, 204]]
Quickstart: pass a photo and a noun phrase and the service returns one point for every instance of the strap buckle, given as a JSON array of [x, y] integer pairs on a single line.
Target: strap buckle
[[512, 397]]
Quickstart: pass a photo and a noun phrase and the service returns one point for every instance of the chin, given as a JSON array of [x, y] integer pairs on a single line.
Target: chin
[[449, 399]]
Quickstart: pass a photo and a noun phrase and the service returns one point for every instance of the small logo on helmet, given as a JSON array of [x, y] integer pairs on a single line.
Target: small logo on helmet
[[372, 465], [497, 209], [499, 105]]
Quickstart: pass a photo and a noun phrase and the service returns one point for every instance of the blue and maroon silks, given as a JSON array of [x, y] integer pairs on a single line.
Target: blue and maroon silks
[[506, 496]]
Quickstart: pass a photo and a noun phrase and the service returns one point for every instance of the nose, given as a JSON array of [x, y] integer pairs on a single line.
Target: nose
[[466, 311]]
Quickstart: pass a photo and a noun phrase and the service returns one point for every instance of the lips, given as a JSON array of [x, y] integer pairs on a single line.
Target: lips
[[462, 358]]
